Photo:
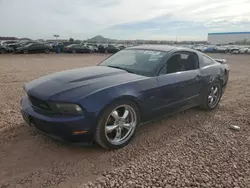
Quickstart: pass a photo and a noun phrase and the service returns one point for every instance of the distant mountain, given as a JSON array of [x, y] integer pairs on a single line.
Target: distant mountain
[[101, 39]]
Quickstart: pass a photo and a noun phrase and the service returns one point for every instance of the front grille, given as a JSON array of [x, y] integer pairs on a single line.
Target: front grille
[[43, 105]]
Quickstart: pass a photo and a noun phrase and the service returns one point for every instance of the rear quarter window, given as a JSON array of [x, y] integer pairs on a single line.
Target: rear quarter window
[[206, 61]]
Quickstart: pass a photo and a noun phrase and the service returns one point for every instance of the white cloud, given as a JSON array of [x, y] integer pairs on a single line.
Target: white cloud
[[86, 18]]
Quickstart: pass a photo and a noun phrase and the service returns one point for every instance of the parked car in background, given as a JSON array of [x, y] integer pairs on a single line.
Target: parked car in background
[[243, 50], [5, 49], [11, 44], [234, 49], [8, 42], [67, 43], [34, 48], [199, 48], [209, 49], [111, 49], [121, 47], [77, 48], [221, 49], [93, 47], [14, 46], [101, 48]]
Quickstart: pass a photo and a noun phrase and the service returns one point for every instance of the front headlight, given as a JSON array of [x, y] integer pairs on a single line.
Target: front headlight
[[67, 108]]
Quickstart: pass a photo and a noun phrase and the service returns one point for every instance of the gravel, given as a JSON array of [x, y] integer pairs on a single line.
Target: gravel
[[189, 149]]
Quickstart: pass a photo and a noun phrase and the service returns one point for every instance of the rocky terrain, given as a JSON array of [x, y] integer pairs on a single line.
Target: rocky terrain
[[189, 149]]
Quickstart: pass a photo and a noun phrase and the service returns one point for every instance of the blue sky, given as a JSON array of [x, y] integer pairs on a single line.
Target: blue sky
[[123, 19]]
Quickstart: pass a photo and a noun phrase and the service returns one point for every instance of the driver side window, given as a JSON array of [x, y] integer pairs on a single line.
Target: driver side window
[[179, 62]]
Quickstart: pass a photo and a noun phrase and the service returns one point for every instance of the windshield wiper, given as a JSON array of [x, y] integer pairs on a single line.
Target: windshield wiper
[[129, 71]]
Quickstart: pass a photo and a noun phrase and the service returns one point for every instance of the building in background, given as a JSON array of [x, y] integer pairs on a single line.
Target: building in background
[[229, 37]]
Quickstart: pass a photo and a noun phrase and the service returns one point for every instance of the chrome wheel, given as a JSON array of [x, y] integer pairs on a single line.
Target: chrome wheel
[[120, 124], [213, 96]]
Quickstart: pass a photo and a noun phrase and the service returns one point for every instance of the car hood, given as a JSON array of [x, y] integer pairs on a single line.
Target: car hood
[[78, 83]]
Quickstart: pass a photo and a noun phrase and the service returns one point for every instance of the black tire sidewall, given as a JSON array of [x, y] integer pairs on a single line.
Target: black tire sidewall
[[100, 137], [205, 104]]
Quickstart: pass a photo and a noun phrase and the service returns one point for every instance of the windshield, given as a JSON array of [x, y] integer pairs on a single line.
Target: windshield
[[27, 45], [142, 62], [71, 45]]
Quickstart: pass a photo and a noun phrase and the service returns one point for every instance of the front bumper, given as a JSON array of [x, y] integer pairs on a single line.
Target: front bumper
[[59, 127]]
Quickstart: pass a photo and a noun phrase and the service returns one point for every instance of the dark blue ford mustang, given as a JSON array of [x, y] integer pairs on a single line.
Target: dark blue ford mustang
[[106, 103]]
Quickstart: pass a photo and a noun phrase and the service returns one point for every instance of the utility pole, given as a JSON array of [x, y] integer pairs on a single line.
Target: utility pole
[[56, 36]]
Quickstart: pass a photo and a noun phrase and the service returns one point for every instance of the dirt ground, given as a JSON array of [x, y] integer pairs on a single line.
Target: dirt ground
[[190, 149]]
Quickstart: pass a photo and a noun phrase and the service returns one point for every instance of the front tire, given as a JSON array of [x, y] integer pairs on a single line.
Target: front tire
[[46, 51], [117, 125], [212, 96]]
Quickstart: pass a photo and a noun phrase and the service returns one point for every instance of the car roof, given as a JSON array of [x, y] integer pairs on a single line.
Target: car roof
[[165, 48]]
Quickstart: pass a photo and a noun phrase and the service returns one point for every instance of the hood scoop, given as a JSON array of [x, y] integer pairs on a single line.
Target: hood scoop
[[100, 76]]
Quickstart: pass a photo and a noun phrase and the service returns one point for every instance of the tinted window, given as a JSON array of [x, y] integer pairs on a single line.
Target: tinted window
[[9, 42], [33, 45], [40, 45], [207, 61], [142, 62], [180, 62]]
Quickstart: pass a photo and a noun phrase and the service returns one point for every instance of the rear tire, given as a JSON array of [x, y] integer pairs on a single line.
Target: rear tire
[[126, 127], [211, 97], [2, 51]]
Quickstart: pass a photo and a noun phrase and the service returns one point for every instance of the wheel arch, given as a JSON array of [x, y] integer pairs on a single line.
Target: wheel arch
[[99, 129], [120, 98]]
